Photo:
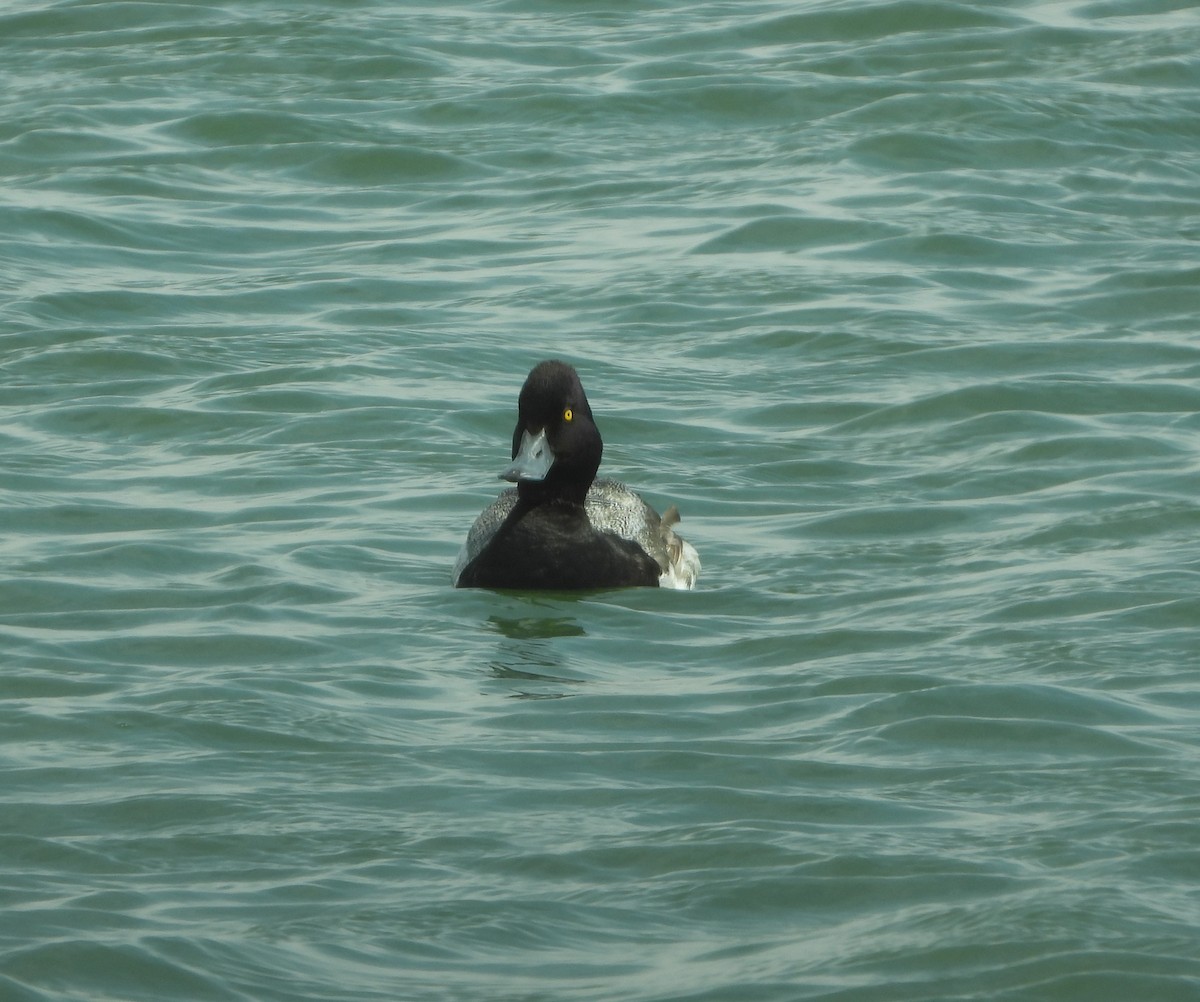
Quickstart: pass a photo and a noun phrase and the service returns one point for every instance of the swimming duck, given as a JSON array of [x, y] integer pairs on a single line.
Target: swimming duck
[[560, 527]]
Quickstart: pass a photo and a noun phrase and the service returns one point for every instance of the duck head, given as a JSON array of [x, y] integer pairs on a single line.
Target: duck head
[[556, 446]]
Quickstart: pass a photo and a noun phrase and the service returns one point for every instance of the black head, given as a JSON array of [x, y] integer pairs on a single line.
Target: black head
[[556, 445]]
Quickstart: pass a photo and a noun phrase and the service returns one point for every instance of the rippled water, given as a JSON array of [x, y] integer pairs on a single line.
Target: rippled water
[[896, 300]]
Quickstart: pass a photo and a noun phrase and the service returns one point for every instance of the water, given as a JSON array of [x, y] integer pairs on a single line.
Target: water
[[896, 300]]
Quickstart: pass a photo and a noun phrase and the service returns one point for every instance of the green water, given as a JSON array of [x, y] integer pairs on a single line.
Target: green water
[[895, 300]]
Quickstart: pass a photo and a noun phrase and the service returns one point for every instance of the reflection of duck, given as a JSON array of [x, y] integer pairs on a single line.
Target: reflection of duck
[[561, 528]]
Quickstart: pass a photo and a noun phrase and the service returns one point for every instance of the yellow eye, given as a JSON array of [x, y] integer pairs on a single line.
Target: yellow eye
[[568, 414]]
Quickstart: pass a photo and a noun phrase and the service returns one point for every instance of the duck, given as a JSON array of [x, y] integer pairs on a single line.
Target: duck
[[560, 528]]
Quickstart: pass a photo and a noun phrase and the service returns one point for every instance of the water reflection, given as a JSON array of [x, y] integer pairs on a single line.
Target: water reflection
[[524, 655], [536, 627]]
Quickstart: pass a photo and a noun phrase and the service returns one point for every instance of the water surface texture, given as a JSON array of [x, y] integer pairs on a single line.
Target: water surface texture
[[897, 300]]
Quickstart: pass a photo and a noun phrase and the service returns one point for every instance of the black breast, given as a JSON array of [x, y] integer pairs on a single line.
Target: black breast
[[556, 547]]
